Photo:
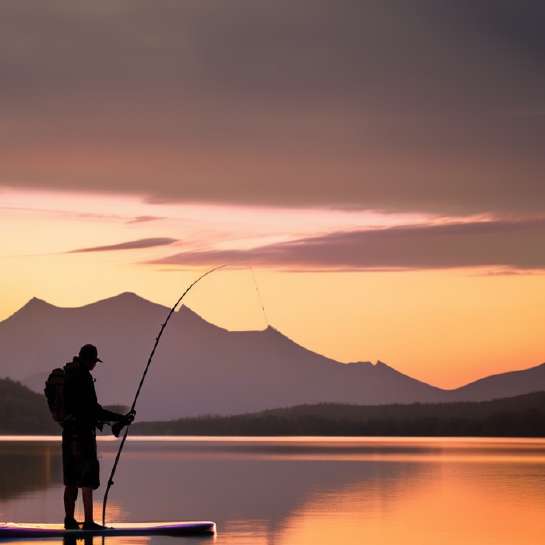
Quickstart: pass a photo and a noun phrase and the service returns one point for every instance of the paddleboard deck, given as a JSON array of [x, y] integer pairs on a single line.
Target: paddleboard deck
[[26, 530]]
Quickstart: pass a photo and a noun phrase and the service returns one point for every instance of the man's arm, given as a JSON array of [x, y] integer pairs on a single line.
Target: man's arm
[[104, 415], [116, 420]]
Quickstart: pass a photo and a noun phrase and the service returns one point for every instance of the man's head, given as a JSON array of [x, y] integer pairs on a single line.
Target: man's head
[[88, 355]]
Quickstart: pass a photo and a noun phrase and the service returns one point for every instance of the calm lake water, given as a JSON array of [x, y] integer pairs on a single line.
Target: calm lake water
[[300, 491]]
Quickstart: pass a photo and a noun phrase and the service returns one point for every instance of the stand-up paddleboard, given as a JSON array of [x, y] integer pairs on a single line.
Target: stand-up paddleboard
[[26, 530]]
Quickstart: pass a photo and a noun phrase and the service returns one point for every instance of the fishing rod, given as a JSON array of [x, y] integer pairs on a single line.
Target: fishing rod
[[150, 358]]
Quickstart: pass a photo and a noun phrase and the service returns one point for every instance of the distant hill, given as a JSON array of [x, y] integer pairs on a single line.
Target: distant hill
[[501, 385], [200, 368], [23, 411], [521, 416]]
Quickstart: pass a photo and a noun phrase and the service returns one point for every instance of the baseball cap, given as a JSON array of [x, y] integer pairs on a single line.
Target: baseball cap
[[89, 352]]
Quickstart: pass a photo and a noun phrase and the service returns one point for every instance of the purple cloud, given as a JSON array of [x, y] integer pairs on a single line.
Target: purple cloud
[[515, 244], [376, 105], [130, 245]]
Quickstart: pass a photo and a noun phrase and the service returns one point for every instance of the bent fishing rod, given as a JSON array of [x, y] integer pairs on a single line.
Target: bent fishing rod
[[150, 358]]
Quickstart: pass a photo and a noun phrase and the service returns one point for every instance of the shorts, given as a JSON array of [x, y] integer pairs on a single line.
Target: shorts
[[80, 465]]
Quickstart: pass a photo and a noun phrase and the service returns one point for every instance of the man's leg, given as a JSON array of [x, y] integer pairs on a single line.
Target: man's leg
[[87, 494], [70, 497]]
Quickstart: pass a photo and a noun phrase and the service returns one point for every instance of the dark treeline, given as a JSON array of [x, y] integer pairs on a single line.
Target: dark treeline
[[521, 416], [25, 412]]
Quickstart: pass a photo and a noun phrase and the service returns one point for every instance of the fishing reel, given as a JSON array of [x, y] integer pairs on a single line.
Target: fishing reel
[[127, 421]]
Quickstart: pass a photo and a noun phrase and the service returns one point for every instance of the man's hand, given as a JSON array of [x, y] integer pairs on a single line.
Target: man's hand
[[126, 420]]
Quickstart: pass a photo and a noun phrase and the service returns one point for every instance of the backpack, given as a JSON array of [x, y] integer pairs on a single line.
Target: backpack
[[54, 393]]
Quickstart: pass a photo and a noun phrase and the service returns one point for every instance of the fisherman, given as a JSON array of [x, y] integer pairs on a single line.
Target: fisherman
[[79, 448]]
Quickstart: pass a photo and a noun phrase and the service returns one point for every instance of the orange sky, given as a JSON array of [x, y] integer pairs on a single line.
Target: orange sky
[[445, 326]]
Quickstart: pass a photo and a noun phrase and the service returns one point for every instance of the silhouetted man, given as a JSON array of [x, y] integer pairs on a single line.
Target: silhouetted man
[[83, 415]]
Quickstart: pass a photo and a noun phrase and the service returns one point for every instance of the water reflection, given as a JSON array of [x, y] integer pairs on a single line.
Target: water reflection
[[28, 467], [307, 491], [93, 540], [86, 540], [245, 483]]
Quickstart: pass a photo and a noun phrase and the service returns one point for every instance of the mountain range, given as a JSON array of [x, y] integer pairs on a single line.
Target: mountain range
[[200, 368]]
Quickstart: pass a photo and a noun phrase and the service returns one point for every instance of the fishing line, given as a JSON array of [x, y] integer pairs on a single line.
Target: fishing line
[[259, 298]]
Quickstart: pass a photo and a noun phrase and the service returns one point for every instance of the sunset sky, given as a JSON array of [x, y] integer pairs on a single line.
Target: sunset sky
[[380, 165]]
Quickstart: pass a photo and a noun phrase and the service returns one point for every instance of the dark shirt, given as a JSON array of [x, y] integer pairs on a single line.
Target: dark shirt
[[82, 410]]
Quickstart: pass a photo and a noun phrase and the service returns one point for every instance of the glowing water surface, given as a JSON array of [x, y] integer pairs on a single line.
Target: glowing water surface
[[302, 491]]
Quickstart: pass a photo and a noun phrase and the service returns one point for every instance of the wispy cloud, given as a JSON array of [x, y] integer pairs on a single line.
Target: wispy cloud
[[145, 219], [515, 244], [130, 245]]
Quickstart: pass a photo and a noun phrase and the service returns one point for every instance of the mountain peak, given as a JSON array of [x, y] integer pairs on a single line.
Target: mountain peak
[[126, 296], [385, 369], [360, 363], [35, 304], [125, 300], [32, 306], [184, 309], [37, 301], [189, 316]]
